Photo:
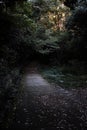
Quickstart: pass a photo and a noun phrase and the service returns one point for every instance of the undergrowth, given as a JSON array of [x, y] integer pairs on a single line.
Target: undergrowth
[[65, 76]]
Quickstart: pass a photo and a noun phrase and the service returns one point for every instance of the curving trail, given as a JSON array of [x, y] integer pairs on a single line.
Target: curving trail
[[44, 106]]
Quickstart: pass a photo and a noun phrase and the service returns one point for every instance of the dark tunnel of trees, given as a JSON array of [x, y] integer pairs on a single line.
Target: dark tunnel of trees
[[52, 32]]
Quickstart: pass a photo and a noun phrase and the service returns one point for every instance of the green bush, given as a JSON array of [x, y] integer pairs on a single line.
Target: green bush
[[9, 90], [65, 76]]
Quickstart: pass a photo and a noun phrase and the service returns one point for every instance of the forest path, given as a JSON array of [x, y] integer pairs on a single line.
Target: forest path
[[46, 107]]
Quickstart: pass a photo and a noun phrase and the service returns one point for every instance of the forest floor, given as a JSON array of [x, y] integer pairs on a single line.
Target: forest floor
[[44, 106]]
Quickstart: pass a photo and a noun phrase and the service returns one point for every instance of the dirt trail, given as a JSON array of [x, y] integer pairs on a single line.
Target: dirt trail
[[46, 107]]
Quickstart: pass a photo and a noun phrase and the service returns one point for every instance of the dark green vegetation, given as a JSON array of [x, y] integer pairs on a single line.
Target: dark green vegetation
[[65, 76], [50, 32]]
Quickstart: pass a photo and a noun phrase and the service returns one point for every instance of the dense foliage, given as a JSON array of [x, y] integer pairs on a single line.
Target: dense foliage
[[77, 24], [48, 31]]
